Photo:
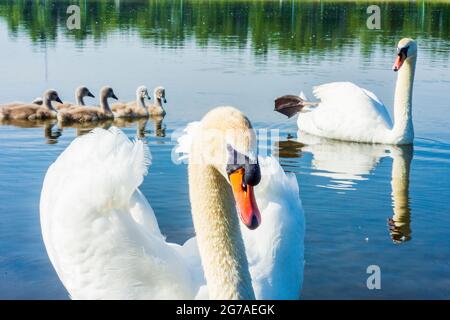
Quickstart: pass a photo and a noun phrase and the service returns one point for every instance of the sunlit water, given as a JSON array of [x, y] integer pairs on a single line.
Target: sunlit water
[[364, 205]]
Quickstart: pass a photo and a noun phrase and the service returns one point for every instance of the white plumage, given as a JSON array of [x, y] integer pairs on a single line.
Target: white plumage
[[275, 250], [104, 242], [348, 112]]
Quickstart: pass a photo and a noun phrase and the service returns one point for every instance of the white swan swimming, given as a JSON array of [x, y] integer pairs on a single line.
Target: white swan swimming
[[350, 113], [103, 239]]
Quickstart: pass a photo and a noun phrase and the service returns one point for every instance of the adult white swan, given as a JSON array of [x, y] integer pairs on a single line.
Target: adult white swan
[[348, 112], [103, 239]]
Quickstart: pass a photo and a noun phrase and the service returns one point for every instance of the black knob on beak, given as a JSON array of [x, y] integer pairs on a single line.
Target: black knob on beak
[[252, 174]]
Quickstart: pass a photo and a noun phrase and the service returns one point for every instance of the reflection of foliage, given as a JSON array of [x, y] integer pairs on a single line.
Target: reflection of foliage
[[289, 26]]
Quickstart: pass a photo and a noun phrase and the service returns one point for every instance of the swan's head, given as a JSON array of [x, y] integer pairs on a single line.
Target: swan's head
[[406, 49], [83, 91], [160, 94], [142, 92], [228, 143], [51, 95], [107, 92]]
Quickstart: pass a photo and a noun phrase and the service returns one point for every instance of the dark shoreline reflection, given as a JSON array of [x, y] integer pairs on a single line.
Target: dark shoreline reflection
[[291, 27], [344, 164]]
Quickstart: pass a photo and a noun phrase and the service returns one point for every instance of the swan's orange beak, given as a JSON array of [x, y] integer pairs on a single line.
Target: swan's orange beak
[[245, 199], [399, 61]]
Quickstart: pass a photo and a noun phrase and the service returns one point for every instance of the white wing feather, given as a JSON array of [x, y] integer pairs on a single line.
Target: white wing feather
[[275, 250], [346, 112], [99, 230]]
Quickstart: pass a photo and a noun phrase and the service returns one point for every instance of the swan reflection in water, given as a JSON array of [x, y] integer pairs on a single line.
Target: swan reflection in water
[[51, 131], [159, 129], [347, 163], [400, 223], [140, 123], [83, 128]]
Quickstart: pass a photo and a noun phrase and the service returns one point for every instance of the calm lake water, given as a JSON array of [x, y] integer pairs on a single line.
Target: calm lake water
[[364, 205]]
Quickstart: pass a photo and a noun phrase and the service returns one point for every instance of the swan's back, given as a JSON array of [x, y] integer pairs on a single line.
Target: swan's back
[[83, 114], [15, 111], [129, 110], [26, 111], [346, 112], [99, 231], [66, 105]]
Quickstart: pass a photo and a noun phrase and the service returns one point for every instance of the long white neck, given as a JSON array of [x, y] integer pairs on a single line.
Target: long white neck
[[402, 157], [403, 131], [104, 105], [218, 234]]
